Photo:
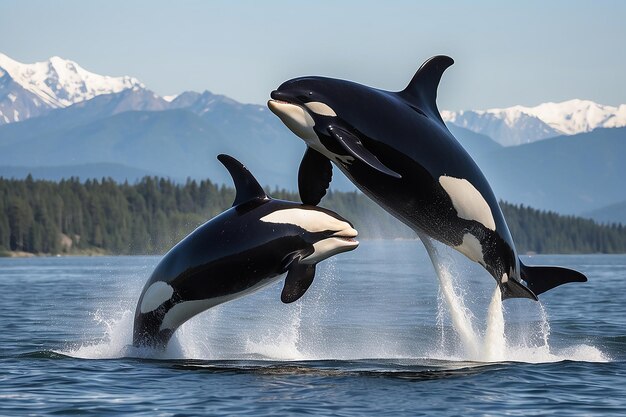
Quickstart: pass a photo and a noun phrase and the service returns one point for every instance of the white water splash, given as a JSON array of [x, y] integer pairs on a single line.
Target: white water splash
[[118, 333], [495, 340], [263, 328], [276, 335], [461, 315], [492, 344], [281, 346]]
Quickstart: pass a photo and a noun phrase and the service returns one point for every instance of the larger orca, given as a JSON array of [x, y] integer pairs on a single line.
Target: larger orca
[[242, 250], [395, 147]]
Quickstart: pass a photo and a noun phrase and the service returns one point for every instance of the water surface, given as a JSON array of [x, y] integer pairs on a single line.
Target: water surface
[[373, 335]]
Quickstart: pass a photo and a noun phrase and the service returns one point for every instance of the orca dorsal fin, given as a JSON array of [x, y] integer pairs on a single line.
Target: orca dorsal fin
[[422, 90], [246, 186]]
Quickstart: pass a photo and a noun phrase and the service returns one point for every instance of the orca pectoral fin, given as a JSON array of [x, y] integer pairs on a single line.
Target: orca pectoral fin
[[314, 176], [354, 147], [515, 289], [299, 279], [543, 278]]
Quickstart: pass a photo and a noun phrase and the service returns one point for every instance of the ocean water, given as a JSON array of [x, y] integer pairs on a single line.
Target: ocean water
[[380, 332]]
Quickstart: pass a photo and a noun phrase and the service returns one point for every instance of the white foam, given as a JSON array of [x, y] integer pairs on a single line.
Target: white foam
[[266, 329], [281, 346], [118, 334], [492, 345], [495, 340], [461, 315]]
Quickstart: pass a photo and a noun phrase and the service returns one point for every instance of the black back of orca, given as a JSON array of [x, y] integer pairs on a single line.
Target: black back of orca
[[395, 147], [232, 255], [225, 258]]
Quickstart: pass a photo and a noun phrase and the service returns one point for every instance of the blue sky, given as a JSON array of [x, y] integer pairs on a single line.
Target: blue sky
[[506, 53]]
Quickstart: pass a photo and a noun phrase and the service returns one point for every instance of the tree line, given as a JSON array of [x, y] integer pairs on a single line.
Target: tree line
[[150, 216]]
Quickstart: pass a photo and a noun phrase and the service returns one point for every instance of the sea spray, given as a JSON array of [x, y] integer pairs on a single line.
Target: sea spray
[[490, 346], [196, 338], [545, 324], [460, 315], [300, 332], [281, 346], [320, 306], [441, 315], [494, 344], [330, 324], [118, 333]]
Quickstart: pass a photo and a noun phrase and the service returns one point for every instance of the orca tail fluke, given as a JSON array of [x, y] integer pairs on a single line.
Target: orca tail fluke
[[543, 278], [514, 289]]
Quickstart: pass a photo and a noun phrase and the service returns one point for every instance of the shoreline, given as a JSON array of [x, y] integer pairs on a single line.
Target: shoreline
[[86, 252], [102, 252], [17, 254]]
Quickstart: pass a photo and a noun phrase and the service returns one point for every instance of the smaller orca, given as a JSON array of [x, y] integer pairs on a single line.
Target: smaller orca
[[242, 250]]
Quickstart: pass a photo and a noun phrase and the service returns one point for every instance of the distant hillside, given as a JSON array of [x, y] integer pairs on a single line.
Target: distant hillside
[[538, 231], [475, 144], [614, 213], [152, 215], [567, 174], [117, 172], [179, 143], [176, 143]]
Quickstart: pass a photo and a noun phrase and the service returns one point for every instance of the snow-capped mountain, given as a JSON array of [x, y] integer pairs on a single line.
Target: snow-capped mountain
[[31, 90], [17, 103], [518, 124]]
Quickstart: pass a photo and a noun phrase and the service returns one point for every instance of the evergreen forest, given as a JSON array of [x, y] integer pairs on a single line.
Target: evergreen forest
[[150, 216]]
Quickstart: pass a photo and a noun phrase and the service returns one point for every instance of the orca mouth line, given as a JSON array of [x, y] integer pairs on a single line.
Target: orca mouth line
[[348, 236], [280, 101], [279, 97]]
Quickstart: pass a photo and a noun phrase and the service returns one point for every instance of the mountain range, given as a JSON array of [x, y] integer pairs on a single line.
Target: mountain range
[[58, 119], [519, 125], [31, 90]]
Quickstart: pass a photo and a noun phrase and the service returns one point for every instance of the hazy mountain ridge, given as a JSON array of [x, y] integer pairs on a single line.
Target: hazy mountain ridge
[[613, 213], [118, 172], [567, 174], [178, 143], [180, 136]]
